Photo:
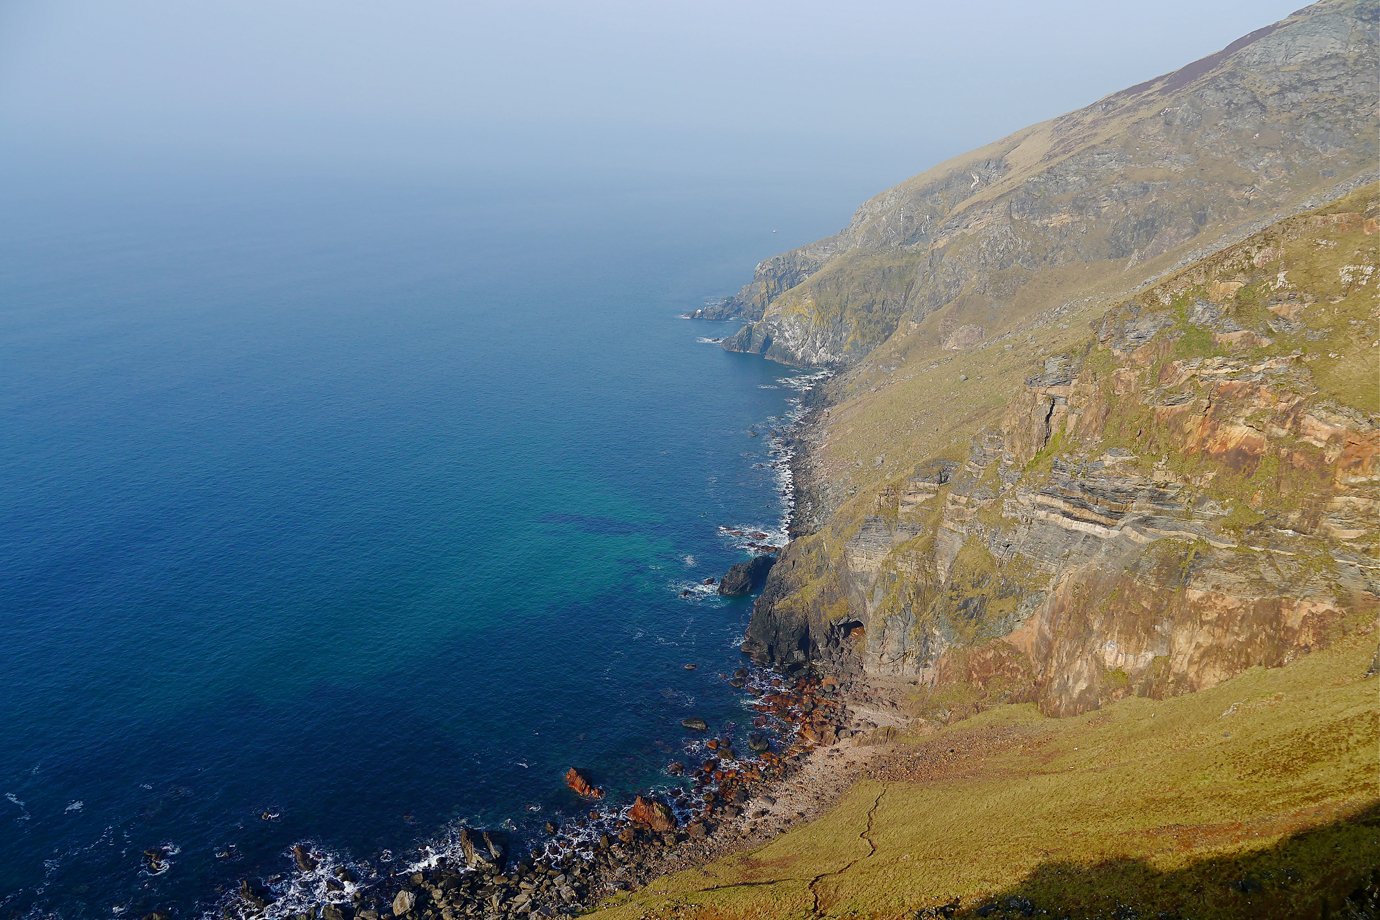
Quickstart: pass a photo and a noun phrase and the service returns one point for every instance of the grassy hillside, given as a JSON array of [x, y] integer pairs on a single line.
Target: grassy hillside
[[1259, 797]]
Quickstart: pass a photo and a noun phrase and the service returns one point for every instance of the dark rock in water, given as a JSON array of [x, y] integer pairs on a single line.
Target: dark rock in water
[[155, 861], [695, 724], [708, 581], [332, 912], [302, 856], [494, 847], [582, 786], [652, 814], [757, 743], [252, 895], [691, 667], [746, 577], [675, 768]]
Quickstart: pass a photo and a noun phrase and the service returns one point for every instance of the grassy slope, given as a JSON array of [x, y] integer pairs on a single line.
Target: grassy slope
[[1271, 777]]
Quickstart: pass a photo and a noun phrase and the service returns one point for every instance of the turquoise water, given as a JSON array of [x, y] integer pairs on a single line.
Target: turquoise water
[[368, 506]]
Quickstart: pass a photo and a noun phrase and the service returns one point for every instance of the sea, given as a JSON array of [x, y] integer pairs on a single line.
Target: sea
[[346, 511]]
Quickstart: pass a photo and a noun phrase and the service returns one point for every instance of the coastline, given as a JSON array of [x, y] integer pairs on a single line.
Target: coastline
[[832, 735], [810, 741]]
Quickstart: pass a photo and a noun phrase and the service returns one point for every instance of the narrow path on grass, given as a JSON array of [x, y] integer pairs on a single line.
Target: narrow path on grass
[[816, 909]]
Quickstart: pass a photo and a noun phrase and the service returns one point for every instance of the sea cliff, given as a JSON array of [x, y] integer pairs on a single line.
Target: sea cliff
[[1094, 489]]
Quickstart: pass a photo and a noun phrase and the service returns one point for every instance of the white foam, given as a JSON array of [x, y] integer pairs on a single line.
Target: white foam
[[445, 850], [299, 891], [693, 590], [19, 803]]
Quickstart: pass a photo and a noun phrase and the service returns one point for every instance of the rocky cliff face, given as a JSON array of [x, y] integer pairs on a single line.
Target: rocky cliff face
[[1191, 490], [1118, 191]]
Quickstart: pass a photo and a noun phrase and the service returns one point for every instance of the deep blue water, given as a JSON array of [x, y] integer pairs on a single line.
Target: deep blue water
[[366, 504]]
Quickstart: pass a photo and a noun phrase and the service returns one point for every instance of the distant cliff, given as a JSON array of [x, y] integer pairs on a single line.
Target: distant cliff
[[1108, 423], [1120, 189]]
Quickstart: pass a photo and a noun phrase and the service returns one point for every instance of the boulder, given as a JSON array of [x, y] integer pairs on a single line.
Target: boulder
[[695, 724], [403, 902], [653, 815]]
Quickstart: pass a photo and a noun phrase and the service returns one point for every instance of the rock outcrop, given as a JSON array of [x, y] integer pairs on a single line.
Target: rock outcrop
[[744, 578], [581, 786]]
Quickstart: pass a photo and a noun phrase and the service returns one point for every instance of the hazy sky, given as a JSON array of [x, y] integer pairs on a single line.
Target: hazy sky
[[662, 87]]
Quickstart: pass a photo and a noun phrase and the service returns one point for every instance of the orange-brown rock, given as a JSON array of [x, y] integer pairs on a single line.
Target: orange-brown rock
[[581, 786], [652, 814]]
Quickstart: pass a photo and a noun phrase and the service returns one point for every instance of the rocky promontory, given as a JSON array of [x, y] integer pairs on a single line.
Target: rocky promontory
[[746, 577]]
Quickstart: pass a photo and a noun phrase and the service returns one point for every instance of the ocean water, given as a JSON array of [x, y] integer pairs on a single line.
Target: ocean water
[[363, 506]]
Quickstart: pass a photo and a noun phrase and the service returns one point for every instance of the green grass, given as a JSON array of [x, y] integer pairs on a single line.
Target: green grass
[[1163, 805]]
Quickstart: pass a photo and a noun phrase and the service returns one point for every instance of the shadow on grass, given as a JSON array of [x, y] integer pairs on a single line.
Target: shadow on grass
[[1331, 871]]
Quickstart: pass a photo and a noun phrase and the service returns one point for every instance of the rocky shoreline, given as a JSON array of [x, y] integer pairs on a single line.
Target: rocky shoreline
[[810, 737]]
